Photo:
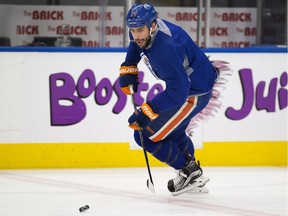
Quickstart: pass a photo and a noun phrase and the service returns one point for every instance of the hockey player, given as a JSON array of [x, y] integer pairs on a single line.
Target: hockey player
[[172, 56]]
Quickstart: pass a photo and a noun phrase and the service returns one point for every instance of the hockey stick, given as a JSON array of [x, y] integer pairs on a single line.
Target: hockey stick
[[150, 183]]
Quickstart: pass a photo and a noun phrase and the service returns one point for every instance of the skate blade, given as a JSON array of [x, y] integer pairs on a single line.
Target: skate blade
[[201, 181], [200, 189]]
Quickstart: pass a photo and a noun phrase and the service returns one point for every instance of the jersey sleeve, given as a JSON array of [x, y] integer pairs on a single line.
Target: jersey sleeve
[[133, 54]]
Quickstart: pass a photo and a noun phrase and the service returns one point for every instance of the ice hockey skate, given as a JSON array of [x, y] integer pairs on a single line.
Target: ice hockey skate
[[189, 178]]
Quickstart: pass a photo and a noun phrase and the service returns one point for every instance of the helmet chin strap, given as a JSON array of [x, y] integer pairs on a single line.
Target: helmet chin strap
[[151, 35], [151, 32]]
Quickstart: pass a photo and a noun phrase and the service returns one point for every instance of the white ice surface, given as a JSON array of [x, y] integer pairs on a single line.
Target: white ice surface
[[245, 191]]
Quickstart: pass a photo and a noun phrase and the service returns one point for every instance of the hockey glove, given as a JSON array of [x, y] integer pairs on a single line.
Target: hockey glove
[[142, 117], [128, 77]]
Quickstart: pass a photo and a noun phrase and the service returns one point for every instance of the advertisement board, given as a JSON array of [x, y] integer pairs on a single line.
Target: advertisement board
[[229, 27], [74, 97]]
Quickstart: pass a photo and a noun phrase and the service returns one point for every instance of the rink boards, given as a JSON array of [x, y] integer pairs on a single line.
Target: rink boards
[[64, 108]]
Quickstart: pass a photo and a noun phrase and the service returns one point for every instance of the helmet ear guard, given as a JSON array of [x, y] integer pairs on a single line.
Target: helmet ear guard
[[140, 15]]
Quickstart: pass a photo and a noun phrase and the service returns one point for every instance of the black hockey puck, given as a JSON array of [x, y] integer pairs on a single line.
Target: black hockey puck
[[84, 208]]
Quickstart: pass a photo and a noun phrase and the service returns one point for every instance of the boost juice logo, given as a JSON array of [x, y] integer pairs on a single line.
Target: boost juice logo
[[252, 95], [67, 106]]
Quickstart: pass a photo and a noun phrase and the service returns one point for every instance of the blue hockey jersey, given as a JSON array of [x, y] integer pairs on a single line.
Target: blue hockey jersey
[[174, 58]]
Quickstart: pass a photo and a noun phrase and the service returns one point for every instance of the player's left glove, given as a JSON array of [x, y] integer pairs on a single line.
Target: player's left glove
[[142, 117]]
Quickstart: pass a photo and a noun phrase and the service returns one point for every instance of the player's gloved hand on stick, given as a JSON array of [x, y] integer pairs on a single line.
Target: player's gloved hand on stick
[[142, 117], [128, 77]]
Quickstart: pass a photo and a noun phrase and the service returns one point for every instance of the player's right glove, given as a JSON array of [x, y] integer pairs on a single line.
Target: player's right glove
[[128, 77], [142, 117]]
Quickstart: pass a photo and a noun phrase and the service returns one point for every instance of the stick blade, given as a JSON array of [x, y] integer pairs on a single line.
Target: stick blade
[[150, 186]]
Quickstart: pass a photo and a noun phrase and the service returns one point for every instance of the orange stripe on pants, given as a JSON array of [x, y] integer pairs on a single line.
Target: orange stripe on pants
[[183, 112]]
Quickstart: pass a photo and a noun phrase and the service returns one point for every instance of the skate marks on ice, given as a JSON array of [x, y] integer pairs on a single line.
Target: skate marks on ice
[[232, 191]]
